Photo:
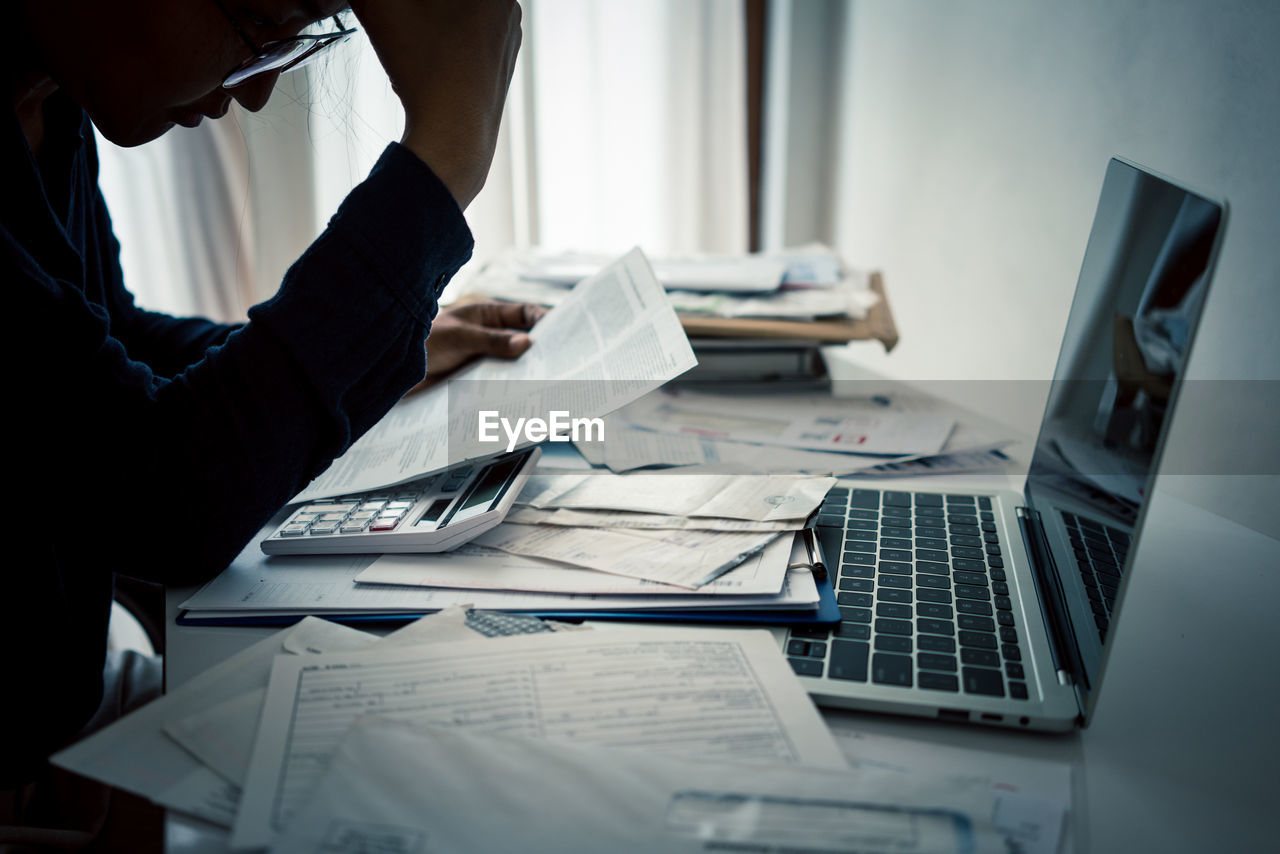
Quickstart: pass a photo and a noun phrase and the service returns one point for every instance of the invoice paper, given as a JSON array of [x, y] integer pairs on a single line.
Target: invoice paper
[[727, 694], [134, 753], [613, 339], [821, 424], [756, 497], [256, 584], [478, 568], [683, 558], [398, 787]]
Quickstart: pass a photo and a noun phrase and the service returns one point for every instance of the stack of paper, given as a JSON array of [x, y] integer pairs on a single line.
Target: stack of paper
[[321, 738], [796, 284], [675, 541], [876, 436]]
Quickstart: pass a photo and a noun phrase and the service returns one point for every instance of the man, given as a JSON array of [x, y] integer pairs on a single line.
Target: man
[[158, 446]]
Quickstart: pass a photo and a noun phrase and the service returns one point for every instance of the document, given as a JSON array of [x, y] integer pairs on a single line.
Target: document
[[614, 338], [256, 585], [721, 695], [821, 424], [135, 754], [622, 519], [1027, 800], [399, 786], [681, 558], [626, 448], [753, 497], [478, 568]]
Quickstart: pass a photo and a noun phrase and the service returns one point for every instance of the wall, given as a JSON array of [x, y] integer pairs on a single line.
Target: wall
[[971, 147]]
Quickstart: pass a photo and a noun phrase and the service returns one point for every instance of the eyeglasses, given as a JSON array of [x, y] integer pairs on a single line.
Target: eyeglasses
[[281, 54]]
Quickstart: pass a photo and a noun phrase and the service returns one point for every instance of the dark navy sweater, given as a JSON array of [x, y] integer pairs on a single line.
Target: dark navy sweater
[[157, 446]]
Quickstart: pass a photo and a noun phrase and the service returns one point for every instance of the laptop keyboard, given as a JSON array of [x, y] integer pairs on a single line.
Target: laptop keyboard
[[923, 597], [1100, 553]]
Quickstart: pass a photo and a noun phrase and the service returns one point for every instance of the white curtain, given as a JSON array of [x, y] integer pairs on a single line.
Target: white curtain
[[626, 125]]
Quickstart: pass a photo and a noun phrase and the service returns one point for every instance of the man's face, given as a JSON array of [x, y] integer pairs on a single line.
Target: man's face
[[139, 67]]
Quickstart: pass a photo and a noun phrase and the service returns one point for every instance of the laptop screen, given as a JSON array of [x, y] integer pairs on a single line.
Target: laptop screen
[[1142, 285]]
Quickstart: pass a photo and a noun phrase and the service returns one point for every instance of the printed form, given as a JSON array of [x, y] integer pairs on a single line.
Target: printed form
[[613, 339], [727, 695]]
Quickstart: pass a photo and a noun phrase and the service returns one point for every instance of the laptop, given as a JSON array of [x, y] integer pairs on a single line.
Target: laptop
[[995, 607]]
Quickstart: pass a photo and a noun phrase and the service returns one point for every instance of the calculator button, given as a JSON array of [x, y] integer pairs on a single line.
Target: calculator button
[[323, 528], [383, 524], [399, 505], [293, 530], [354, 527]]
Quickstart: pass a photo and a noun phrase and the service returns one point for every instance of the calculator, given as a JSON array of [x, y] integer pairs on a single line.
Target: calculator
[[434, 513]]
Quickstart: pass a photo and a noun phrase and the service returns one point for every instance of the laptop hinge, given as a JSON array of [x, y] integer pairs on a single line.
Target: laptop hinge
[[1062, 637]]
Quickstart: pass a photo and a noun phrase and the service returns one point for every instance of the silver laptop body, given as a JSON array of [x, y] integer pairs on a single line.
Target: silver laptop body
[[994, 607]]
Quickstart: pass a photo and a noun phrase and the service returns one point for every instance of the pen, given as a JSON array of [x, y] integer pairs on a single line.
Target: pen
[[817, 560]]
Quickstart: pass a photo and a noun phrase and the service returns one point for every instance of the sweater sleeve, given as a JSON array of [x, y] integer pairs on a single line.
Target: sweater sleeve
[[205, 456]]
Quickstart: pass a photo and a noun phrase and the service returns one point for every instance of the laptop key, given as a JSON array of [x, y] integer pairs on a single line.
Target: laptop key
[[897, 499], [860, 558], [1011, 652], [854, 615], [934, 610], [935, 627], [981, 657], [975, 623], [848, 660], [1004, 618], [895, 513], [899, 581], [978, 680], [939, 682], [1018, 690], [893, 643], [859, 585], [797, 647], [968, 565], [931, 568], [894, 627], [854, 631], [968, 591], [888, 541], [973, 606], [806, 666], [936, 581], [928, 499], [1014, 670], [976, 579], [934, 661], [896, 555], [865, 499], [978, 639], [887, 669], [936, 643], [928, 594], [931, 555], [896, 611], [895, 567], [965, 551], [892, 594]]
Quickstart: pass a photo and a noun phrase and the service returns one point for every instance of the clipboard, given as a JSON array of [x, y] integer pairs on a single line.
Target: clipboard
[[826, 613]]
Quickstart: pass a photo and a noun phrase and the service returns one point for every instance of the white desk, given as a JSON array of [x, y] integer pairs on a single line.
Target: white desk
[[1182, 753]]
